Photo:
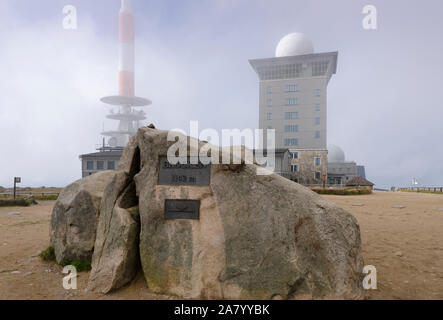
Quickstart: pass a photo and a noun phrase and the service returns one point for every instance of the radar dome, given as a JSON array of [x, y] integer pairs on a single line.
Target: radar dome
[[335, 154], [294, 44]]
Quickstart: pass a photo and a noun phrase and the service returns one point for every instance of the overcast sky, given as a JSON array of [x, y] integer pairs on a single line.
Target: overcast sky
[[384, 104]]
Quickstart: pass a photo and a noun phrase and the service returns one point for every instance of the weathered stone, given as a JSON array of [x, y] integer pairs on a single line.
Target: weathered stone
[[116, 258], [258, 237], [75, 215], [127, 156]]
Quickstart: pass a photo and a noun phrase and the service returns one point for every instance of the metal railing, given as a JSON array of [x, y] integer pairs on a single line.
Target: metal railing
[[31, 194]]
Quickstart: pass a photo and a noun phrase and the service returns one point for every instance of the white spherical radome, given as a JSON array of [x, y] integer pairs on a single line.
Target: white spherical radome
[[294, 44], [335, 154]]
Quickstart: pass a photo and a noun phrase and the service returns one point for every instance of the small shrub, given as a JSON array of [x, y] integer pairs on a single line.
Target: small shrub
[[48, 254], [51, 197], [343, 192], [81, 266], [17, 202], [421, 191]]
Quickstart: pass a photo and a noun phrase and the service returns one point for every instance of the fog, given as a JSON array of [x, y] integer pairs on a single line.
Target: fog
[[384, 103]]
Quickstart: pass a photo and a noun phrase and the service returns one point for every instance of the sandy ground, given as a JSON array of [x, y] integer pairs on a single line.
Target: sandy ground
[[404, 244]]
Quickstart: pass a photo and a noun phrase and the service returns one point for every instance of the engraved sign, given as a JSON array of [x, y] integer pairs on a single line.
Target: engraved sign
[[183, 174], [182, 209]]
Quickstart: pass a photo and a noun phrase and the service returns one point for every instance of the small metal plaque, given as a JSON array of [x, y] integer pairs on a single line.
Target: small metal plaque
[[182, 209], [183, 174]]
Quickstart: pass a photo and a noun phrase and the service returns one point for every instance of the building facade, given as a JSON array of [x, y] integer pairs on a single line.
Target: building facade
[[307, 167], [340, 171], [293, 102], [105, 159]]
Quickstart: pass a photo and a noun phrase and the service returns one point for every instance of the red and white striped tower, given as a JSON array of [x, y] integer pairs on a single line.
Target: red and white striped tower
[[128, 117], [126, 57]]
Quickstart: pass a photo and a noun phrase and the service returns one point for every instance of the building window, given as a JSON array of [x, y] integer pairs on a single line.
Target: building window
[[269, 89], [89, 165], [294, 155], [291, 88], [269, 116], [292, 102], [317, 120], [291, 142], [294, 168], [317, 161], [317, 175], [291, 115], [100, 165], [317, 134], [318, 93], [291, 128], [270, 103], [317, 107], [269, 127], [111, 165]]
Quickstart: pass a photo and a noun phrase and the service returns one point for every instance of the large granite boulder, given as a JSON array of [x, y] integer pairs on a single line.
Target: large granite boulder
[[116, 259], [75, 216], [257, 237]]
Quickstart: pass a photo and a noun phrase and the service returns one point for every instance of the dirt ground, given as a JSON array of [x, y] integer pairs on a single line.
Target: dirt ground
[[402, 235]]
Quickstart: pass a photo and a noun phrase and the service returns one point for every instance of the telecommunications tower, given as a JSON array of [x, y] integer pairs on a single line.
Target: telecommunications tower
[[128, 116]]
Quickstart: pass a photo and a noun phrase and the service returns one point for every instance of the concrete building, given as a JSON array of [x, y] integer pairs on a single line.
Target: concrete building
[[293, 93], [293, 102], [105, 159], [305, 166], [340, 171], [360, 182]]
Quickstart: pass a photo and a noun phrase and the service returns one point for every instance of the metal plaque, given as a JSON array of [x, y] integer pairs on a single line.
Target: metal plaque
[[182, 209], [183, 174]]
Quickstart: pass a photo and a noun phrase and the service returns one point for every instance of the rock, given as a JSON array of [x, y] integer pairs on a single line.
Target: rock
[[398, 207], [14, 213], [75, 215], [16, 272], [398, 254], [281, 239], [116, 260], [357, 204], [439, 209]]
